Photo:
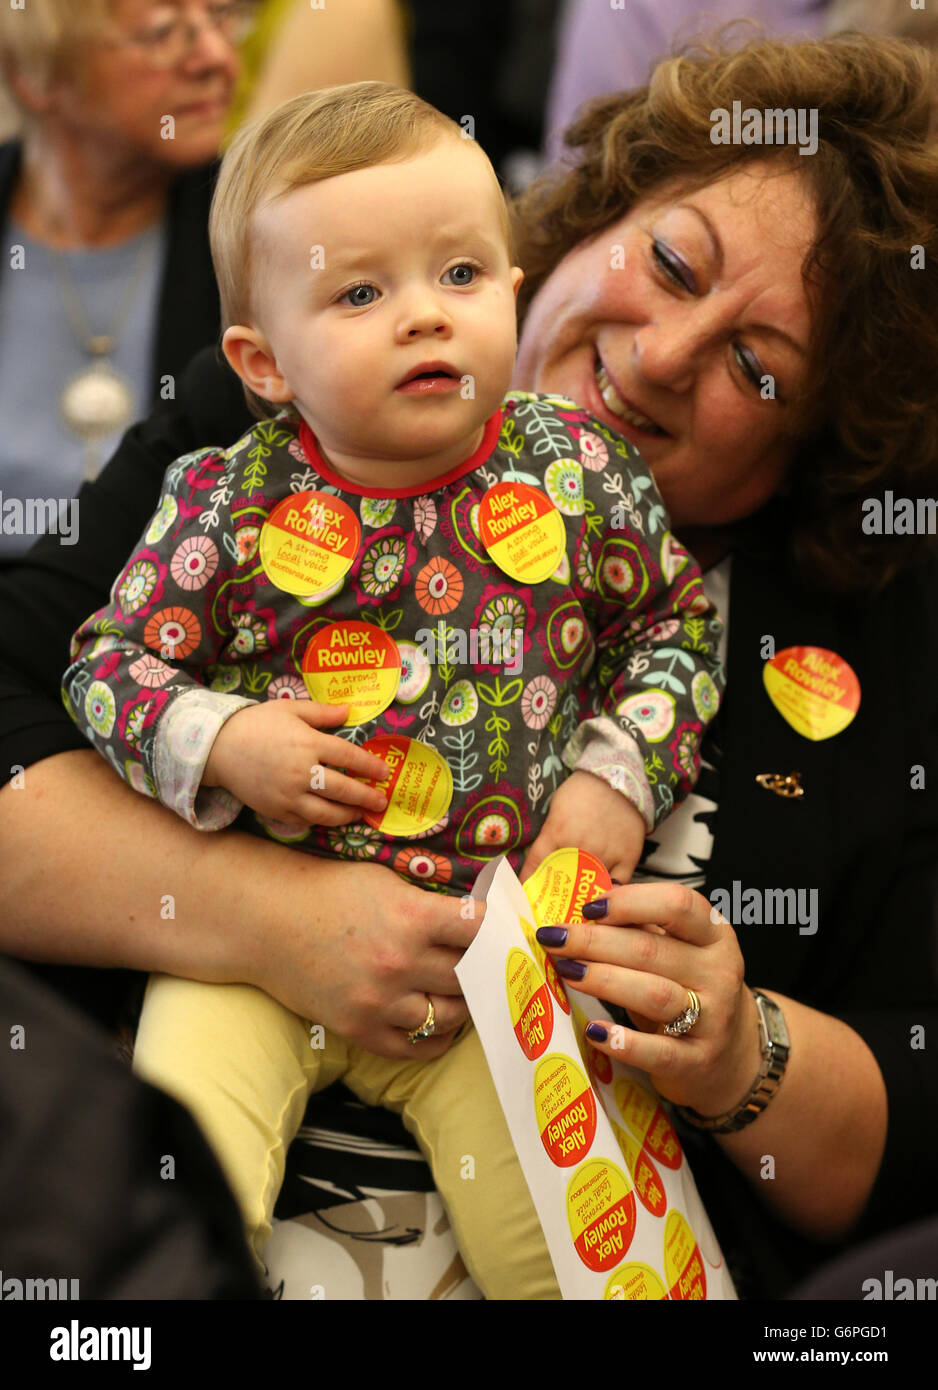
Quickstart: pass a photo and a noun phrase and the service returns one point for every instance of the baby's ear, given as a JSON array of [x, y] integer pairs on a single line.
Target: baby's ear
[[249, 354], [517, 275]]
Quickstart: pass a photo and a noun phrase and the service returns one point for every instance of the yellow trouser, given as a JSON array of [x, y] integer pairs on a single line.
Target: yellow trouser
[[244, 1066]]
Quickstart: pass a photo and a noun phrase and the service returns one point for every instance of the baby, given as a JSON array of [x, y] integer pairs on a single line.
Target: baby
[[383, 540]]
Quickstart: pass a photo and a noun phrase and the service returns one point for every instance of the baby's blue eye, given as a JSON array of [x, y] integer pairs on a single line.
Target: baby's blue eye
[[461, 274], [359, 296]]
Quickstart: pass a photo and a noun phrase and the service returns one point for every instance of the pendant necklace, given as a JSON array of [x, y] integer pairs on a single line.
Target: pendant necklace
[[98, 400]]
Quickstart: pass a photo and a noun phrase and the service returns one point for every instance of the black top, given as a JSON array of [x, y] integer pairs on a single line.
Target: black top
[[864, 836]]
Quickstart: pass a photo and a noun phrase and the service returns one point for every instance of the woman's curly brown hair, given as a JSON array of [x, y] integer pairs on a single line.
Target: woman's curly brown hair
[[869, 419]]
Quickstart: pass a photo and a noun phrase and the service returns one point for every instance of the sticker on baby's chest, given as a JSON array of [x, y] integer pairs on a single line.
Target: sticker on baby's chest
[[309, 542], [522, 531], [353, 663]]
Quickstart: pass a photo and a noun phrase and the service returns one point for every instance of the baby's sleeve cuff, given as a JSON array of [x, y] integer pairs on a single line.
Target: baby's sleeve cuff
[[184, 737], [601, 747]]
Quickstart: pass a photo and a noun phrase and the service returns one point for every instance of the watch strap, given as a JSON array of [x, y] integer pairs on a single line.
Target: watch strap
[[776, 1049]]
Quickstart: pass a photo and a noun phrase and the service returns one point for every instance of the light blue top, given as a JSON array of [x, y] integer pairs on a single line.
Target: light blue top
[[39, 353]]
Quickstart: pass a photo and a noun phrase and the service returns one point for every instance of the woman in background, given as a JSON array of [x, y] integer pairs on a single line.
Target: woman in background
[[104, 199]]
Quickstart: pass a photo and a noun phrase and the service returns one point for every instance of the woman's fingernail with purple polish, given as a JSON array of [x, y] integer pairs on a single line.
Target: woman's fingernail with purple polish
[[596, 1032], [597, 909], [572, 969], [552, 936]]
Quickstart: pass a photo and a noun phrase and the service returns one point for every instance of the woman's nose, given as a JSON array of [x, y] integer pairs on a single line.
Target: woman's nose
[[668, 351], [210, 49]]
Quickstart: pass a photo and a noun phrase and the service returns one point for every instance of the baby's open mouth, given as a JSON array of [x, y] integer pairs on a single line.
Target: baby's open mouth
[[614, 402], [426, 375]]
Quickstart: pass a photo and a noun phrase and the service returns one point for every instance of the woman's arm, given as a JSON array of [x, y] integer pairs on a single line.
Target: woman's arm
[[95, 874], [825, 1129]]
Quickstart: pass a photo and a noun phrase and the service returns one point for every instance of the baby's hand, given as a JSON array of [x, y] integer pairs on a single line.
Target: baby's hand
[[271, 756], [586, 812]]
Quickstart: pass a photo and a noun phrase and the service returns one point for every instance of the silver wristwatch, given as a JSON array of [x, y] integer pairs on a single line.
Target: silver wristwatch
[[776, 1047]]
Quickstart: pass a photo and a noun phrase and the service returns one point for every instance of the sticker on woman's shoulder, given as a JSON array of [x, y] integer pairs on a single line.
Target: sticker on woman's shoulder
[[309, 542], [522, 531], [814, 689]]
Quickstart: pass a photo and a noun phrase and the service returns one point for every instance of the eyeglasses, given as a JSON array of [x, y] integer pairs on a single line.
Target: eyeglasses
[[168, 35]]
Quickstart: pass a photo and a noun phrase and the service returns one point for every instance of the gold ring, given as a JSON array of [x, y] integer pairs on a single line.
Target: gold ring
[[428, 1027], [686, 1020]]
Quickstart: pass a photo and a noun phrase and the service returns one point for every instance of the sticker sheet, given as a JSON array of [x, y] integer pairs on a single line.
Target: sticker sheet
[[613, 1190]]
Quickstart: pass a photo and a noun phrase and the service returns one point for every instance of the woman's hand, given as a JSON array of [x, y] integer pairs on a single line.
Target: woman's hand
[[825, 1127], [359, 951], [652, 944]]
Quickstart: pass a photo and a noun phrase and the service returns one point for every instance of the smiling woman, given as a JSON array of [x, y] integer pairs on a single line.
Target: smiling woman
[[738, 295]]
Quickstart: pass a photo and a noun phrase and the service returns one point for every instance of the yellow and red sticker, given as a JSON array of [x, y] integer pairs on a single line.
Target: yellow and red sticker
[[547, 965], [522, 531], [646, 1119], [419, 788], [563, 884], [565, 1108], [813, 689], [309, 542], [353, 663], [532, 1015], [644, 1174], [683, 1262], [632, 1283], [600, 1213]]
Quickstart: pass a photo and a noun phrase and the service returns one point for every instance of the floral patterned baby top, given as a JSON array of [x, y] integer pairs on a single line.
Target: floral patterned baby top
[[608, 663]]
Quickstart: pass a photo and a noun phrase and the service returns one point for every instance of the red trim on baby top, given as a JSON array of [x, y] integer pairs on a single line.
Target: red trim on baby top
[[489, 439]]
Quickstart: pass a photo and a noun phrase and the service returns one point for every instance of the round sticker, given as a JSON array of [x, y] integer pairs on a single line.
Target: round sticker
[[355, 664], [532, 1016], [646, 1119], [600, 1213], [648, 1184], [522, 531], [419, 788], [683, 1263], [309, 542], [634, 1282], [563, 884], [813, 689], [547, 965], [565, 1108]]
